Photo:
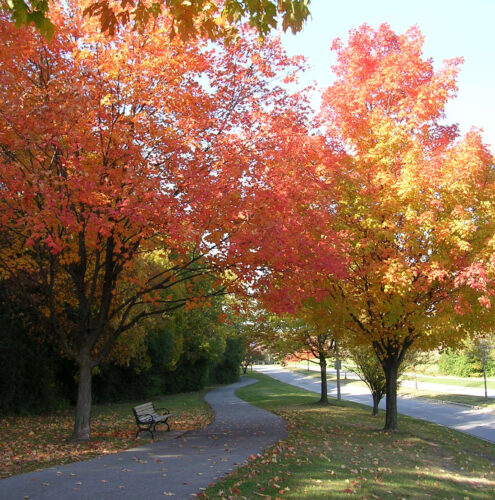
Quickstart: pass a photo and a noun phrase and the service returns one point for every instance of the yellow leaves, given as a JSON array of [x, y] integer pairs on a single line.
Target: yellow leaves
[[108, 100], [220, 21], [398, 277]]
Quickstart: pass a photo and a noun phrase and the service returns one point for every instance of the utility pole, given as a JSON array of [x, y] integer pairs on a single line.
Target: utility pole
[[337, 367], [483, 359]]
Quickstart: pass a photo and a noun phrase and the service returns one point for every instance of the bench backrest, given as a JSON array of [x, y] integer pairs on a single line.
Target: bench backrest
[[144, 409]]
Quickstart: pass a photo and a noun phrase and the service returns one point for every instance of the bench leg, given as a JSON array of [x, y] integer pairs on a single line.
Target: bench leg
[[164, 422], [147, 429]]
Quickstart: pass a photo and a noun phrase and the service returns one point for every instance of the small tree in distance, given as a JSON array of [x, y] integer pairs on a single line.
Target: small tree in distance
[[369, 369], [292, 337]]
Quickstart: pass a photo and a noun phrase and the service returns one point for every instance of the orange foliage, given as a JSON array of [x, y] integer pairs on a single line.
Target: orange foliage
[[115, 152]]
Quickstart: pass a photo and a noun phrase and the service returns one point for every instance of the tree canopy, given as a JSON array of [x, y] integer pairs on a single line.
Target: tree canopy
[[133, 167], [411, 201], [190, 18]]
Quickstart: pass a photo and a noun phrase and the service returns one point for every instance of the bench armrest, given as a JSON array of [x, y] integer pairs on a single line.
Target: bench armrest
[[163, 409]]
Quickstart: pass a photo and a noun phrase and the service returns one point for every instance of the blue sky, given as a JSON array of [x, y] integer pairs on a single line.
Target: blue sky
[[452, 28]]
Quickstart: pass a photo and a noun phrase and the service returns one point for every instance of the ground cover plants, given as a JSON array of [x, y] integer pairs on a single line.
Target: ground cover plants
[[338, 451], [34, 442]]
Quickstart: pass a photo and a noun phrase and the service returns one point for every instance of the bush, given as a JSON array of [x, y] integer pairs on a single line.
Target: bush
[[454, 363], [466, 363], [184, 354], [227, 370], [30, 372]]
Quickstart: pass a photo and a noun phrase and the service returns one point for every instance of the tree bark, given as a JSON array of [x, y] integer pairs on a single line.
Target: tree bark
[[376, 401], [82, 428], [323, 374], [391, 368]]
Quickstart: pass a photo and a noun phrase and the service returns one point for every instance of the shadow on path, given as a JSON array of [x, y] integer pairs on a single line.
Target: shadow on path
[[177, 468]]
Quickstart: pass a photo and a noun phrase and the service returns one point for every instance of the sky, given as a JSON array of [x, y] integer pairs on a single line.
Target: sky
[[452, 28]]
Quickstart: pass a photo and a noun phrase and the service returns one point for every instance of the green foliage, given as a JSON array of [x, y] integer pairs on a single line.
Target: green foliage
[[188, 376], [30, 12], [33, 378], [454, 363], [183, 352], [227, 369], [186, 351], [466, 363]]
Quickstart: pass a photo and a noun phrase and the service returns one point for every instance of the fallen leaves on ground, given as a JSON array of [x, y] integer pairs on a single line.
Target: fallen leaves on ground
[[34, 442]]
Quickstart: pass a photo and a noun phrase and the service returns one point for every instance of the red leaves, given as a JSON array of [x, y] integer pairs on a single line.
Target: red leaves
[[113, 152]]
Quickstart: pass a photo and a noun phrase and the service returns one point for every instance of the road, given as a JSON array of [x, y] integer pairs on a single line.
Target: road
[[479, 423], [421, 385]]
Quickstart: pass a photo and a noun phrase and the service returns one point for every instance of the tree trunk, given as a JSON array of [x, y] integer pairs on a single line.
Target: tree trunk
[[82, 430], [391, 368], [376, 401], [323, 373]]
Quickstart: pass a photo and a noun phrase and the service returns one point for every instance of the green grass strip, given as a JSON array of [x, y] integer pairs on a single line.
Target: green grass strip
[[339, 451]]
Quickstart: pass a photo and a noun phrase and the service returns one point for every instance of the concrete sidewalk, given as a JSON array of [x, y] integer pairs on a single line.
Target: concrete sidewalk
[[177, 467]]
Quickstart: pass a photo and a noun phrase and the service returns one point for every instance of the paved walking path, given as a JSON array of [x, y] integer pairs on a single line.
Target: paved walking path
[[177, 467], [479, 423]]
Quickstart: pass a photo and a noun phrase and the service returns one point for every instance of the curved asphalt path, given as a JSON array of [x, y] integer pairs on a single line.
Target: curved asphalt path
[[176, 467], [479, 423]]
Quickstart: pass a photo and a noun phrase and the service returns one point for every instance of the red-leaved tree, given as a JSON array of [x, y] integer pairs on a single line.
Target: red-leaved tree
[[133, 165]]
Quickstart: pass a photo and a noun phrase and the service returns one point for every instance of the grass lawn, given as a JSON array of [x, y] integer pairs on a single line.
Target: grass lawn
[[34, 442], [463, 382], [338, 451], [452, 398]]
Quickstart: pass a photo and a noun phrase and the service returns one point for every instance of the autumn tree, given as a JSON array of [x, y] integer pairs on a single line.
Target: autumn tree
[[128, 169], [411, 195], [289, 336], [410, 200], [189, 18]]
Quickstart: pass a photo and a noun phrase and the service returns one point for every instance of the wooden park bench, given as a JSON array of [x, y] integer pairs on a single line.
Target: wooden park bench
[[147, 418]]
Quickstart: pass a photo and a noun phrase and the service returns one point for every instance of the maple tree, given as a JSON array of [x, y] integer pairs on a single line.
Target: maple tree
[[129, 168], [411, 195], [411, 201], [189, 18], [293, 337]]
